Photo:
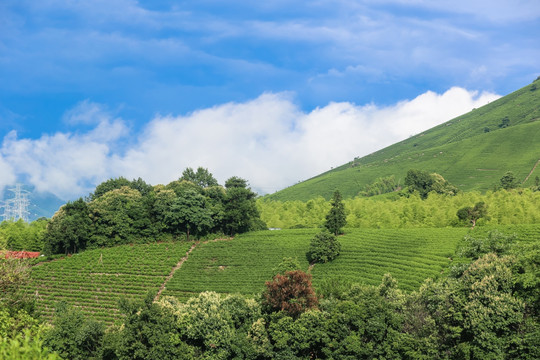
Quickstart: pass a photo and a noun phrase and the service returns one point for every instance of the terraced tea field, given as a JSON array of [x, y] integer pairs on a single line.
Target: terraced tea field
[[95, 280], [410, 255], [245, 263], [241, 265]]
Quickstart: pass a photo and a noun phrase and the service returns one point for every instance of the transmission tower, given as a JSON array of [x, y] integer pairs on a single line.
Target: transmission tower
[[17, 207]]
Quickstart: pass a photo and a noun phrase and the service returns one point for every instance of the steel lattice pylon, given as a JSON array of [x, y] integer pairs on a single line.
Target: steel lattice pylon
[[17, 207]]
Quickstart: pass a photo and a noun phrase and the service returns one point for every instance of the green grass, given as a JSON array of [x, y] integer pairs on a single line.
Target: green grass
[[95, 280], [459, 150]]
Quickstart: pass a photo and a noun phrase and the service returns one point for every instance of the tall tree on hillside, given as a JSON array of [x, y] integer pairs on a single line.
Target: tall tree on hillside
[[109, 185], [336, 218], [240, 212], [121, 216]]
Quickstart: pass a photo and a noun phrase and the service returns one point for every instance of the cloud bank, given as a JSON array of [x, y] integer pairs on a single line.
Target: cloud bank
[[268, 140]]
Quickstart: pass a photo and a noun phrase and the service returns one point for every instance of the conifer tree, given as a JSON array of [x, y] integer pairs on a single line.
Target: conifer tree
[[336, 218]]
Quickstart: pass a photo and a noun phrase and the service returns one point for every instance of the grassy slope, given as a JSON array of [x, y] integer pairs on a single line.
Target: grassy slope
[[459, 150]]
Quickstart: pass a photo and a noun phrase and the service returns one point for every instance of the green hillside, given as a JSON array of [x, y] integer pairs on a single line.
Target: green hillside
[[95, 280], [472, 151]]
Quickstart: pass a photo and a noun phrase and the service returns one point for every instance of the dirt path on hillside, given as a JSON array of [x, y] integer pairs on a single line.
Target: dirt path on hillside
[[534, 167], [181, 262]]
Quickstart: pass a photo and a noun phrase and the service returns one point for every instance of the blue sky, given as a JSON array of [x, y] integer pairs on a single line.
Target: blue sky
[[96, 89]]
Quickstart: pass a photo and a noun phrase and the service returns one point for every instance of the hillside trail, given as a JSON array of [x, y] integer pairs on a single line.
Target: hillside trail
[[534, 167], [181, 262]]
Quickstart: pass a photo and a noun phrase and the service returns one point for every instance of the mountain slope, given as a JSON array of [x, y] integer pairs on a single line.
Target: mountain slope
[[472, 151]]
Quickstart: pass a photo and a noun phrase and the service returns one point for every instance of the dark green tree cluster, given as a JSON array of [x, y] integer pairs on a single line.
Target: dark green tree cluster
[[336, 218], [122, 211], [422, 182], [509, 181]]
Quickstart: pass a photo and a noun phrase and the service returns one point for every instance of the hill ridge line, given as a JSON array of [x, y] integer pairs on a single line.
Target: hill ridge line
[[181, 262]]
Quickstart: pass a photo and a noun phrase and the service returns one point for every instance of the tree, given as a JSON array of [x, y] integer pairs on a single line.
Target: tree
[[189, 214], [149, 332], [25, 345], [69, 229], [291, 292], [418, 180], [505, 122], [509, 181], [240, 212], [202, 177], [336, 218], [14, 275], [109, 185], [73, 336], [472, 214], [287, 264], [120, 216], [324, 247]]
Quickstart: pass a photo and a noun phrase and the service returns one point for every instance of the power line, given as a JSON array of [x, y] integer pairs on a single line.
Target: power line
[[17, 207]]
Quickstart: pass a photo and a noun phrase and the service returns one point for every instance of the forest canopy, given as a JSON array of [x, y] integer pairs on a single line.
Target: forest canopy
[[121, 211]]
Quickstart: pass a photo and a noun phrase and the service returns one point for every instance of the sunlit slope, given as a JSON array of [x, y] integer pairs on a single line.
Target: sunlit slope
[[471, 151], [244, 264]]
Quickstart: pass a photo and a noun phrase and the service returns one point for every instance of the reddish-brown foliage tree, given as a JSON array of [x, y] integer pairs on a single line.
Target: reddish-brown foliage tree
[[291, 293]]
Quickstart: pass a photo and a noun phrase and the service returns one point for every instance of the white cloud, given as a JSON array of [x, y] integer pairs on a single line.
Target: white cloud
[[268, 141], [65, 164]]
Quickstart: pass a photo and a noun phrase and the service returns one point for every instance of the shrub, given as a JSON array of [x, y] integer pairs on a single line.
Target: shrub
[[324, 247], [291, 293]]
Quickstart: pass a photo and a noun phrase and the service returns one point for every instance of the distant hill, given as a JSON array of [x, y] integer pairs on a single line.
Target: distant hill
[[472, 151]]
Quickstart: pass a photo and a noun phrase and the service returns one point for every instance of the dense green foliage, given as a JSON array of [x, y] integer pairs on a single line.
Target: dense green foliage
[[324, 247], [26, 346], [509, 181], [381, 186], [123, 212], [423, 183], [19, 235], [518, 206], [460, 150], [73, 336], [471, 214]]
